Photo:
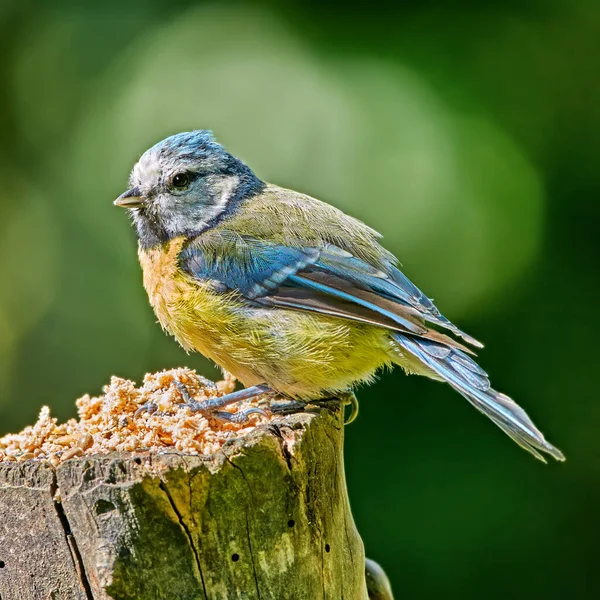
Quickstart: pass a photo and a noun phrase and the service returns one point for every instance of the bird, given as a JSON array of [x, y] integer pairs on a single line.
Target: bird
[[289, 294]]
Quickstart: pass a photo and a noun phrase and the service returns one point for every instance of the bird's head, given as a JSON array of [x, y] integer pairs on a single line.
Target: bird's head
[[183, 185]]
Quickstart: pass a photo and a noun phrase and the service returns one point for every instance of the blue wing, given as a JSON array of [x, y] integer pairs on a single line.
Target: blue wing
[[252, 268], [391, 283], [328, 280]]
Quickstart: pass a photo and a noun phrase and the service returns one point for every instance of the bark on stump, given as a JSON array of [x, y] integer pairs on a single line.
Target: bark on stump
[[266, 517]]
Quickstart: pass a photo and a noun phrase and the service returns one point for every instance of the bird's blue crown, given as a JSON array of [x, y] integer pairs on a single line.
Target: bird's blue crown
[[190, 145], [200, 145]]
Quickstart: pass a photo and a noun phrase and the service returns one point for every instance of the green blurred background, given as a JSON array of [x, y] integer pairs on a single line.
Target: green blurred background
[[466, 132]]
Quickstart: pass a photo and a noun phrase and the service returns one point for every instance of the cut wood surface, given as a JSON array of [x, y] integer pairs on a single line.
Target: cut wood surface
[[266, 517]]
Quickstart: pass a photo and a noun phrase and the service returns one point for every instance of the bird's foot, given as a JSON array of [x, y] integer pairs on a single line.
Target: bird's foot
[[294, 406], [212, 405]]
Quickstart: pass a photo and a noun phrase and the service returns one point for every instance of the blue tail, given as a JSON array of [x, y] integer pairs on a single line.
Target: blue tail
[[469, 379]]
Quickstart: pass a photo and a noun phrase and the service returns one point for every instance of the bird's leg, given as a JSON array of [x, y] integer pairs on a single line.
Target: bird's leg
[[212, 405]]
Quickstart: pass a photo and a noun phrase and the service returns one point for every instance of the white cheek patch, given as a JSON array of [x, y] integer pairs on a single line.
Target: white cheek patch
[[223, 190]]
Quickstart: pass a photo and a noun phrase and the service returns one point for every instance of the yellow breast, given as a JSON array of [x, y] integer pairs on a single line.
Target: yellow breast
[[189, 310], [159, 266]]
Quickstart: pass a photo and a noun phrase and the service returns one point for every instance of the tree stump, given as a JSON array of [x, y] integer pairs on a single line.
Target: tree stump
[[266, 517]]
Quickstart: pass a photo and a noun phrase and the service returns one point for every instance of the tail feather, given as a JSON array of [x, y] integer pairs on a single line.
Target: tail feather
[[470, 380]]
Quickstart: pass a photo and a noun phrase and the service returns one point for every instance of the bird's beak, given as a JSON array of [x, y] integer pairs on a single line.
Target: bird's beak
[[132, 198]]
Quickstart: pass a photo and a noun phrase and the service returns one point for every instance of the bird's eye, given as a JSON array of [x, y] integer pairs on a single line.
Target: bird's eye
[[180, 180]]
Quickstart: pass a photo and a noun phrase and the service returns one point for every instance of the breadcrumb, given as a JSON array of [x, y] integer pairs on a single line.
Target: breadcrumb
[[108, 423]]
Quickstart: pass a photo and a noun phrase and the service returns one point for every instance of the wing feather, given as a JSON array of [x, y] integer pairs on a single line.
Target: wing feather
[[326, 279]]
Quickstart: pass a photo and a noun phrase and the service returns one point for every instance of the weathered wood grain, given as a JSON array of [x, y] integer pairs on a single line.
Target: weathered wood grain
[[267, 517], [38, 556]]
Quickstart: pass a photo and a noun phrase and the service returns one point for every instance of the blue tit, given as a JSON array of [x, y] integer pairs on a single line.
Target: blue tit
[[287, 293]]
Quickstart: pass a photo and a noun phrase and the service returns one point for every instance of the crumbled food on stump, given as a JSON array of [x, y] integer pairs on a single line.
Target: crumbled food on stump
[[108, 423]]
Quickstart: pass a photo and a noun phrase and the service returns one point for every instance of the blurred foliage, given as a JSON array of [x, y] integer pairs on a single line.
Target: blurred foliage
[[466, 132]]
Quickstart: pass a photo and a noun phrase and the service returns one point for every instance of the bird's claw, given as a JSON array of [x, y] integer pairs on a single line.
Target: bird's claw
[[350, 399], [149, 407]]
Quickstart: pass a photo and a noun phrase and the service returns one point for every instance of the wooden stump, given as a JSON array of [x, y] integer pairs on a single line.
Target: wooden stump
[[266, 517]]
